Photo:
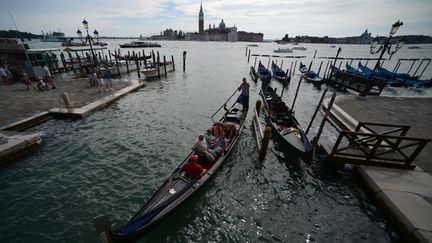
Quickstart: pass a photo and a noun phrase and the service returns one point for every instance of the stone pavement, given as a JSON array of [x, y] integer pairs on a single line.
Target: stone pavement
[[415, 112], [405, 196], [16, 103]]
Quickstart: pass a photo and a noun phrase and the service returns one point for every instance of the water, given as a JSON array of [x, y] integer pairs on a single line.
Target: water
[[111, 163]]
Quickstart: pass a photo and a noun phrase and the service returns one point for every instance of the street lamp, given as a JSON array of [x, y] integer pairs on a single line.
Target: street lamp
[[96, 34], [79, 33], [385, 47], [89, 39]]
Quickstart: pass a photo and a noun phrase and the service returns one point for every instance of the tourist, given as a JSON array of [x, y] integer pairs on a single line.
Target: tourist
[[230, 131], [210, 138], [26, 81], [108, 79], [193, 169], [244, 96], [41, 85], [97, 82], [201, 148], [48, 77], [4, 75]]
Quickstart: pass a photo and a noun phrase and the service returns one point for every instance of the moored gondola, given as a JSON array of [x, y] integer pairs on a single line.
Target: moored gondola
[[263, 72], [280, 74], [178, 187], [284, 123]]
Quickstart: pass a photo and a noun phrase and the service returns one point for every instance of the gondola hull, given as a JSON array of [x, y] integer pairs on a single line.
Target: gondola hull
[[171, 194], [285, 125]]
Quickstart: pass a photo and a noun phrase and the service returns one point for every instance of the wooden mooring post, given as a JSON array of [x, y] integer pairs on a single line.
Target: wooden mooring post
[[165, 67], [249, 55], [172, 60], [184, 61], [158, 64], [127, 62], [327, 113], [262, 138], [116, 62], [80, 64], [295, 65], [137, 65], [295, 97], [66, 100], [316, 111]]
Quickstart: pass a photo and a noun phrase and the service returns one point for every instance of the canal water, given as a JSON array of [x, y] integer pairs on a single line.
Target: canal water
[[112, 161]]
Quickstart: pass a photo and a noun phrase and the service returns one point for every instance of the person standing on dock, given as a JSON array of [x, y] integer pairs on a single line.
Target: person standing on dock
[[244, 96], [48, 77], [108, 79]]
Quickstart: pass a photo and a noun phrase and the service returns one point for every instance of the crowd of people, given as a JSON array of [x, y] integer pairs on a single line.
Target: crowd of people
[[99, 76]]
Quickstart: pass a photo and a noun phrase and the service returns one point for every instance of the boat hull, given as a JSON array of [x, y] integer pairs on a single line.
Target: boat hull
[[172, 193], [150, 72]]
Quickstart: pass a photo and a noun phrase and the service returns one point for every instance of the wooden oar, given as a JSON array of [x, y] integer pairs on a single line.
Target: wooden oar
[[225, 103]]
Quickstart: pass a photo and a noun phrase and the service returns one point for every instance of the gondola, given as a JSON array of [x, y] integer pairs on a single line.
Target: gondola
[[176, 189], [312, 77], [284, 123], [279, 74], [263, 72], [253, 74], [303, 68]]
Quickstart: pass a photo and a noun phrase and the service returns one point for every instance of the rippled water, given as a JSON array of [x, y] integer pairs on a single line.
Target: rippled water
[[112, 161]]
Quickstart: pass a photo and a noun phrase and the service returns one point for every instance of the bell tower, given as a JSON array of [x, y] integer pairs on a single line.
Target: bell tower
[[201, 20]]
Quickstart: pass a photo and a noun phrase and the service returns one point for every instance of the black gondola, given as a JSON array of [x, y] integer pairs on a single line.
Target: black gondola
[[284, 123], [253, 74], [176, 189]]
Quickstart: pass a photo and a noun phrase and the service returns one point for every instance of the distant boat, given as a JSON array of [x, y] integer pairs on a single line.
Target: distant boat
[[332, 46], [53, 37], [252, 45], [294, 43], [281, 42], [414, 47], [303, 68], [69, 42], [283, 50], [135, 44], [152, 70], [300, 48]]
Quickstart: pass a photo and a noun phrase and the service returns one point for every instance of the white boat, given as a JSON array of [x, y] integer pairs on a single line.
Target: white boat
[[152, 70], [53, 37], [300, 48], [135, 44], [283, 50]]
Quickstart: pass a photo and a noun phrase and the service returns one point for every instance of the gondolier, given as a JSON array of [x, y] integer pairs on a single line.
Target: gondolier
[[244, 96]]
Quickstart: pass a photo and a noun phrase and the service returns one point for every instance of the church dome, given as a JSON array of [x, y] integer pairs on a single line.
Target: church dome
[[222, 24]]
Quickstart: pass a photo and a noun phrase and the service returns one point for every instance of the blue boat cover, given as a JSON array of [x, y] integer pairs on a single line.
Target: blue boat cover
[[263, 72], [277, 71]]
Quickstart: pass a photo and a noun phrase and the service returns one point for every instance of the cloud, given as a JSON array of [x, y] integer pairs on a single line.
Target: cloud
[[273, 17]]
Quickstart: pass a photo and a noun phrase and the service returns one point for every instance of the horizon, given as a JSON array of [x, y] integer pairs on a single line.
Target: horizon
[[135, 17]]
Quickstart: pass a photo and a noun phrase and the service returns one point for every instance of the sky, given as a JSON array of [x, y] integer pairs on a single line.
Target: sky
[[273, 18]]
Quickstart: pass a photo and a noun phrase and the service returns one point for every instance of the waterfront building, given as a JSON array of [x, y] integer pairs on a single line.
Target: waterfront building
[[220, 33]]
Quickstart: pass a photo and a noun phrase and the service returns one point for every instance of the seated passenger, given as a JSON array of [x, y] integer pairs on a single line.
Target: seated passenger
[[193, 169], [210, 138], [218, 129], [201, 148], [230, 131]]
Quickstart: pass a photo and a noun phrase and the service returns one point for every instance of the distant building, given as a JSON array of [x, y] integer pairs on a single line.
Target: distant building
[[250, 37], [201, 20], [220, 33]]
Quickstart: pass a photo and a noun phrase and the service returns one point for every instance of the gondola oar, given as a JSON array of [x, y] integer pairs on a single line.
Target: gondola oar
[[225, 103]]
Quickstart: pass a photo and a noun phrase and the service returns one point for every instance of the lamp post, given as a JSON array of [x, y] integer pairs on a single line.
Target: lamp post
[[385, 47], [89, 39]]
